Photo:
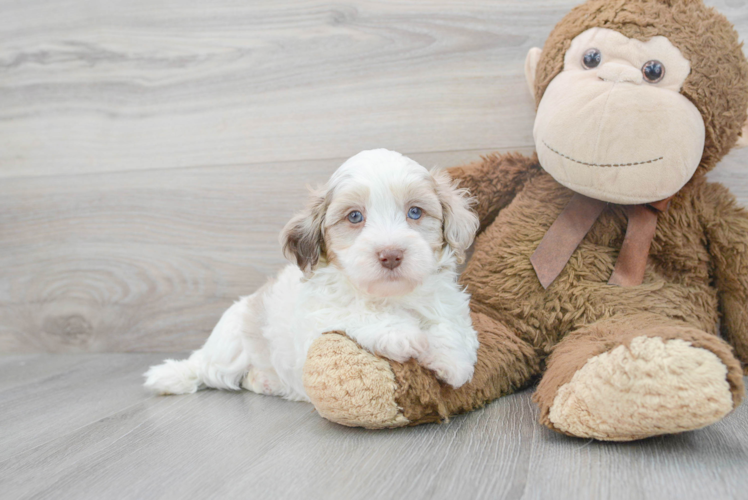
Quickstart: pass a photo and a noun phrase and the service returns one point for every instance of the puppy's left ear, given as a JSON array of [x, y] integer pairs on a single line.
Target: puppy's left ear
[[302, 238], [460, 222]]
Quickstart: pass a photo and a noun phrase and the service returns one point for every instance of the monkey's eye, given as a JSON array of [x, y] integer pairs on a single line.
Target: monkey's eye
[[355, 217], [653, 71], [591, 58], [414, 213]]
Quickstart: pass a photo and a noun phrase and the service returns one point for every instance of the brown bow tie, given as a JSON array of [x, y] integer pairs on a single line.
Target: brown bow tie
[[565, 235]]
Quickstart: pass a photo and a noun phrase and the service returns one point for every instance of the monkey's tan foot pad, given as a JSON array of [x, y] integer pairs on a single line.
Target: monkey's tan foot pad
[[351, 386], [648, 388]]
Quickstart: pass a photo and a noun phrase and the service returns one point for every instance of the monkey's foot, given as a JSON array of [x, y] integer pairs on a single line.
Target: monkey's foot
[[647, 388]]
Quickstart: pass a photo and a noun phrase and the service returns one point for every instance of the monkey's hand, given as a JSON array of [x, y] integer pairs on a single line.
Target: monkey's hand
[[726, 227], [494, 180]]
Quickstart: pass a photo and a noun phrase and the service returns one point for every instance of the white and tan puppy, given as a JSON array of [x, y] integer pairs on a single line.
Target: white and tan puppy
[[376, 251]]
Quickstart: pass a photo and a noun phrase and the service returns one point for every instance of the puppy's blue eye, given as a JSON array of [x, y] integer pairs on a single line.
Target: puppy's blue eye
[[355, 217], [414, 213]]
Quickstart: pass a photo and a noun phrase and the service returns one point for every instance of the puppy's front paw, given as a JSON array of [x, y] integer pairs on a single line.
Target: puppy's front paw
[[451, 371], [402, 345]]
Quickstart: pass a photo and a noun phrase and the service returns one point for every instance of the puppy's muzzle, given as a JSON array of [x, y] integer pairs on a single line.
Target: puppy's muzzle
[[391, 258]]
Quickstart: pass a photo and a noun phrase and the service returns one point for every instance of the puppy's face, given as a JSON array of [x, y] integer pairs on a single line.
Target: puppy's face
[[384, 221]]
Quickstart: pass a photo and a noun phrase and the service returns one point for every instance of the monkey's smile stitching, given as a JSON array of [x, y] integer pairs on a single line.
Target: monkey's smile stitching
[[602, 164]]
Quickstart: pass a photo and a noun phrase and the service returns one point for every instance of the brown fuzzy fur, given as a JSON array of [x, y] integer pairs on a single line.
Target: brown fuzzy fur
[[697, 272], [677, 294]]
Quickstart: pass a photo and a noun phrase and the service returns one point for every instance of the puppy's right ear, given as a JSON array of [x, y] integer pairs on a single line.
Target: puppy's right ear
[[460, 222], [302, 238]]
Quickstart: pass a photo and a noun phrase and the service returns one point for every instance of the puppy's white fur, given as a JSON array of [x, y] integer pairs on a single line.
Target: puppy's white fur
[[415, 310]]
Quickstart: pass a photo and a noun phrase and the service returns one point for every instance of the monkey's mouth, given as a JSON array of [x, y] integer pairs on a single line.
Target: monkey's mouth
[[631, 164]]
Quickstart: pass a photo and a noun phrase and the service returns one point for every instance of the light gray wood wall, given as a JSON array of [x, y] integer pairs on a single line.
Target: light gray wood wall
[[150, 151]]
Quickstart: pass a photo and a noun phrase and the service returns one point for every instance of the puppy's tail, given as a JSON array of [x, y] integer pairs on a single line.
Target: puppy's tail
[[175, 377]]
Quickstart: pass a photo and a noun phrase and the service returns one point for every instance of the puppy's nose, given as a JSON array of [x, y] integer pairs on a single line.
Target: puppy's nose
[[391, 257]]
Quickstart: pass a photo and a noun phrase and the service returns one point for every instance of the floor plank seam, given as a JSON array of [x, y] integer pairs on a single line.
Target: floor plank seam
[[337, 159]]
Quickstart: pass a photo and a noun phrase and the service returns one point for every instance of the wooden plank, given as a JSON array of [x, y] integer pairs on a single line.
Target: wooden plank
[[79, 391], [20, 370], [94, 87], [233, 445]]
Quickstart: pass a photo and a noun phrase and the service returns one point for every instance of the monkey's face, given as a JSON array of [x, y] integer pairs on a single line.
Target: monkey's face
[[613, 124]]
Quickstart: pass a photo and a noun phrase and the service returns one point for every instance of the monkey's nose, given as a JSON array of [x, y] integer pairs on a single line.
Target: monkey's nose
[[617, 72], [391, 257]]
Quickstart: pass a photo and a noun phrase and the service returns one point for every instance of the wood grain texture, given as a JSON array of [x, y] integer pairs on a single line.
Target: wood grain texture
[[92, 87], [150, 152], [84, 428]]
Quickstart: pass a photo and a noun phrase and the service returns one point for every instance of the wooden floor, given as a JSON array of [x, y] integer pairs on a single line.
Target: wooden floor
[[80, 426], [151, 151]]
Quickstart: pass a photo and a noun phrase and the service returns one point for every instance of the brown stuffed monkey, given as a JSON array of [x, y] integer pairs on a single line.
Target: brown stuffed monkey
[[604, 263]]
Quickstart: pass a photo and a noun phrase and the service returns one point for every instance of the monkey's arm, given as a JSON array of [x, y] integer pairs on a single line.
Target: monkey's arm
[[494, 180], [726, 225]]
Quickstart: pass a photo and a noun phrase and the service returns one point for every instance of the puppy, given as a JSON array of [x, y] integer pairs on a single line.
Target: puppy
[[376, 252]]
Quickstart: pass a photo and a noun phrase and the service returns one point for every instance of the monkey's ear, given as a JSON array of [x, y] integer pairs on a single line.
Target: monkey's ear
[[743, 137], [302, 238], [531, 64]]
